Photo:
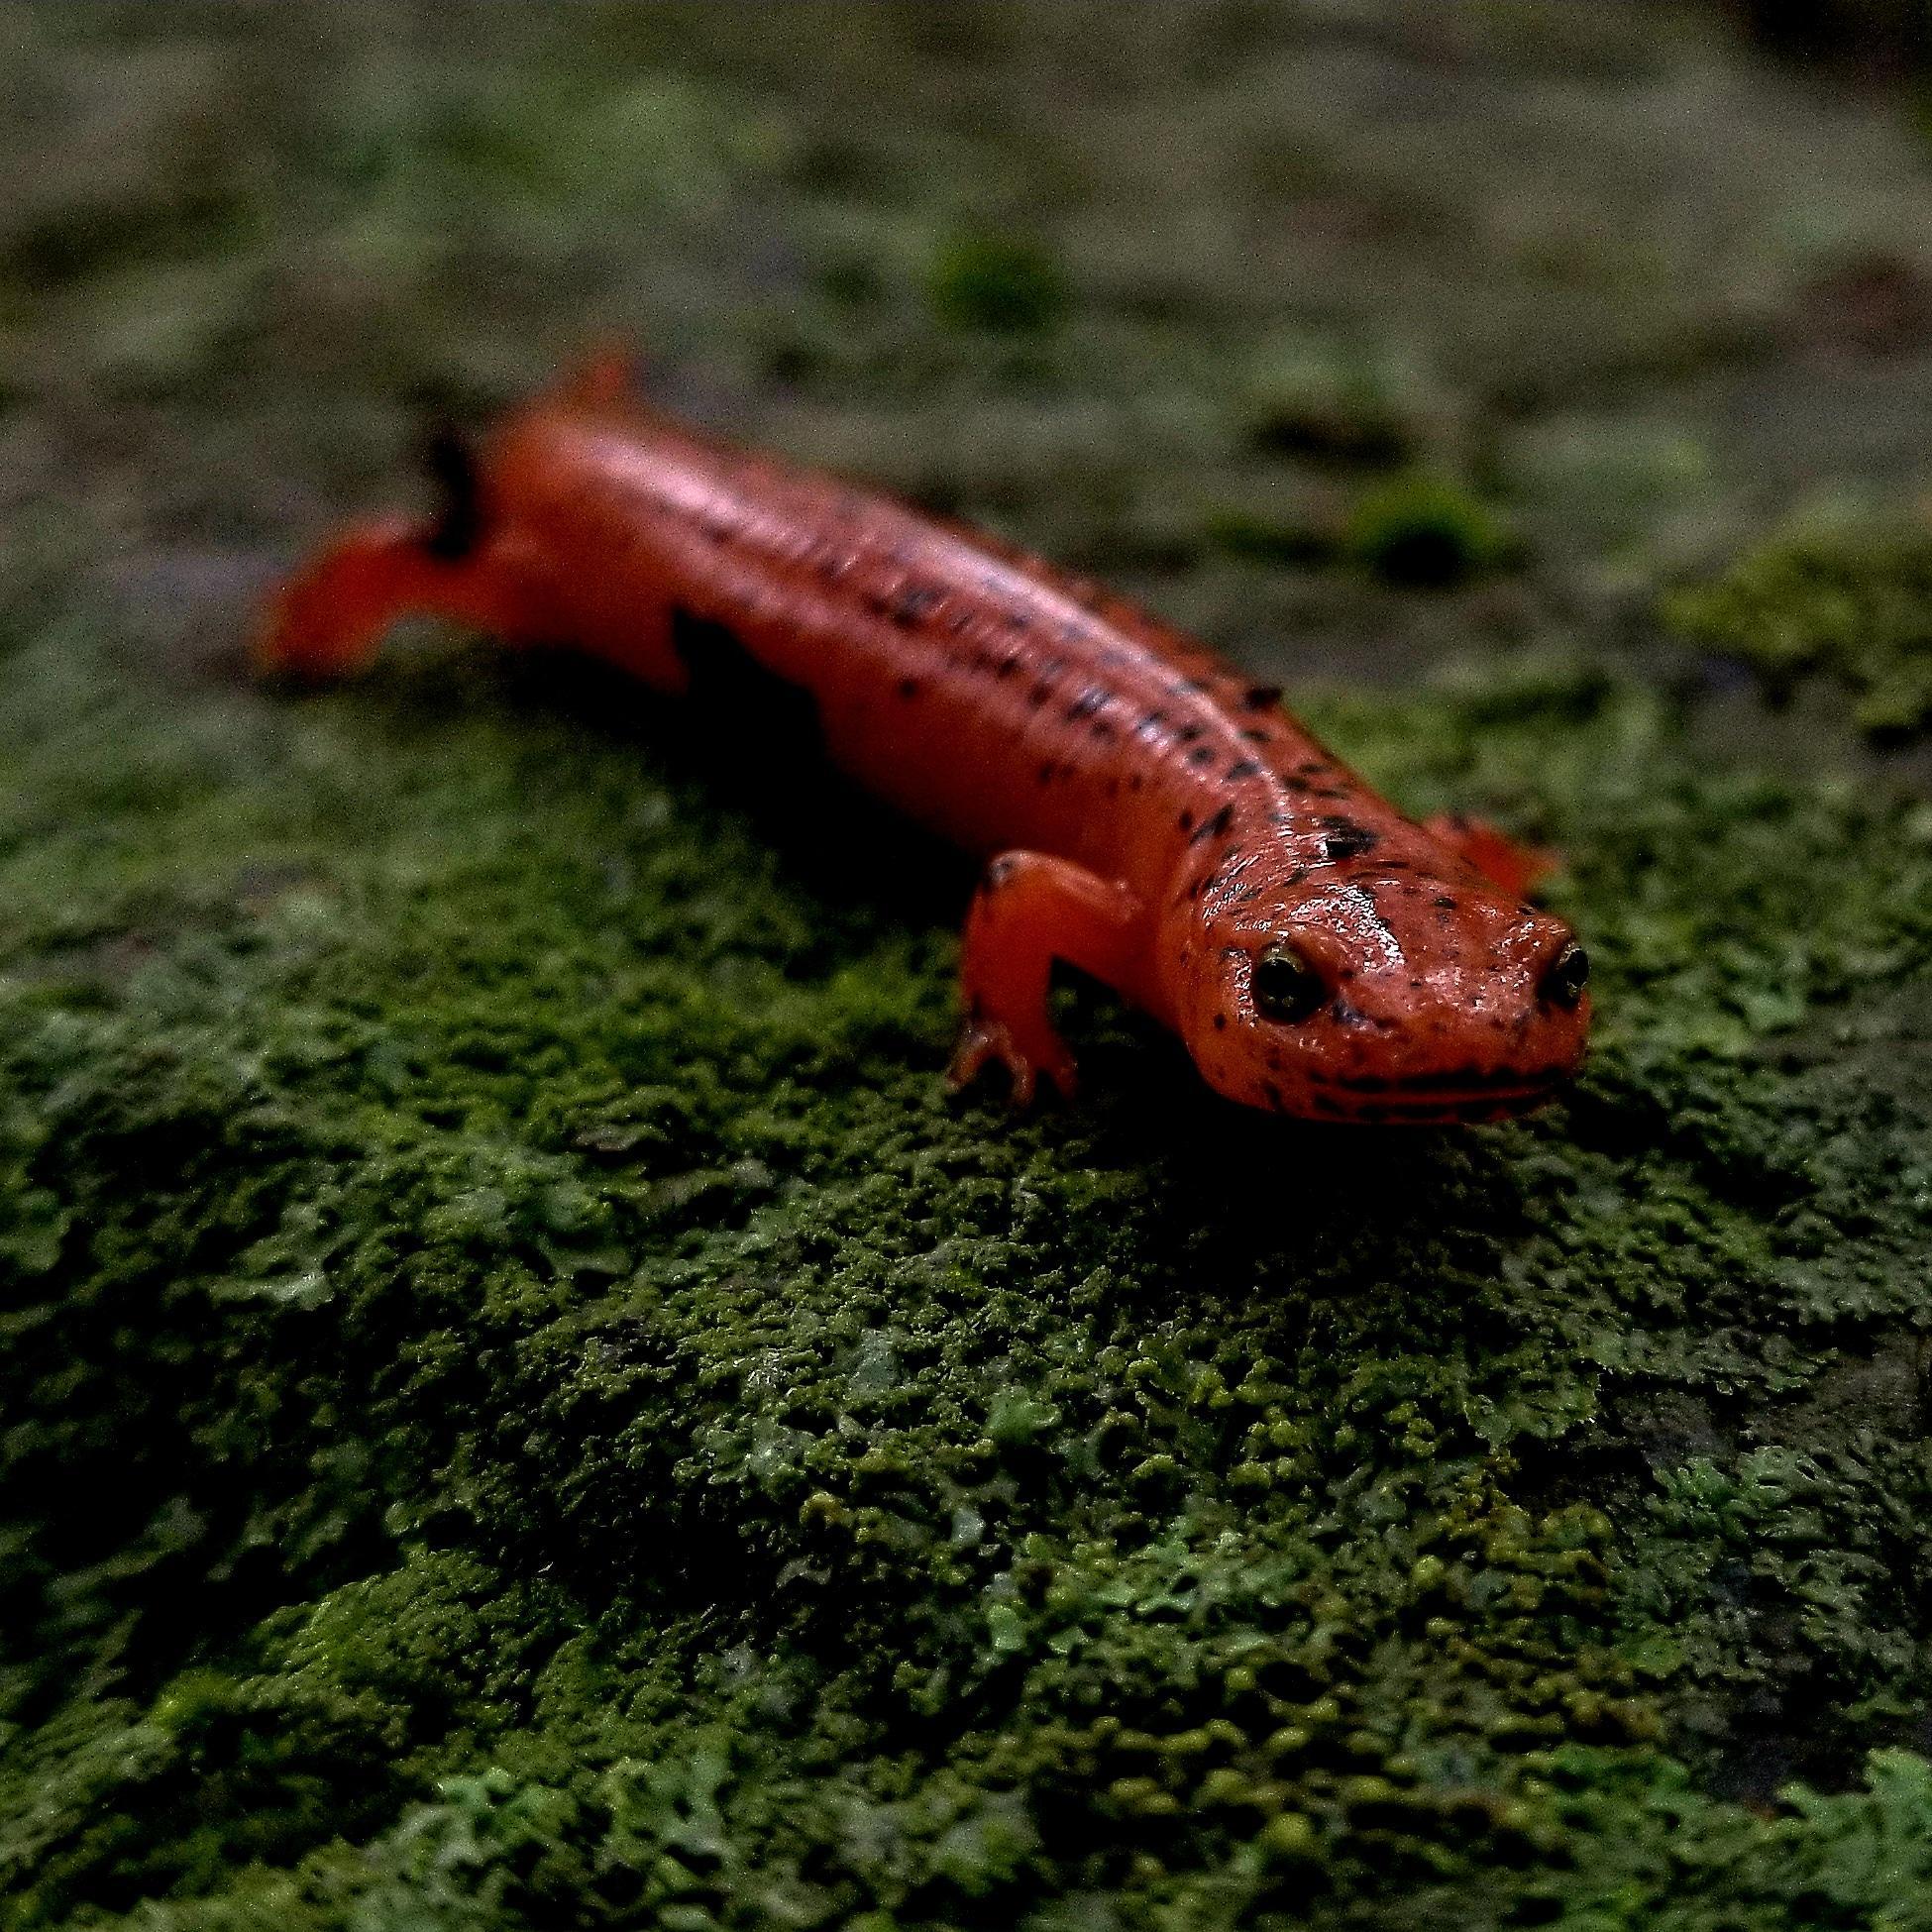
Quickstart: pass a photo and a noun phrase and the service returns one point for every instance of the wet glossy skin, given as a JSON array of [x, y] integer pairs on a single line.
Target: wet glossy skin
[[1150, 816]]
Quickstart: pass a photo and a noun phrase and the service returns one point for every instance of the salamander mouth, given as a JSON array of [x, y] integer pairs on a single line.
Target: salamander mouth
[[1435, 1098]]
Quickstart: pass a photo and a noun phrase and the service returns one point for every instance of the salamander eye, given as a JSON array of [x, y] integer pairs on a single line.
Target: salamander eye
[[1567, 975], [1286, 986]]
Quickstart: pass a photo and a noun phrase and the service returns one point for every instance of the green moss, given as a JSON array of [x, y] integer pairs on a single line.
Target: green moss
[[1007, 285], [580, 1306], [1312, 397], [1852, 604], [1274, 528], [1423, 530]]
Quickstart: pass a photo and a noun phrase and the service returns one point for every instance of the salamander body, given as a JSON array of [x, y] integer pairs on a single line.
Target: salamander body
[[1149, 815]]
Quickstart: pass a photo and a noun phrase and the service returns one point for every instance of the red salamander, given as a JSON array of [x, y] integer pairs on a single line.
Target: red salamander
[[1149, 815]]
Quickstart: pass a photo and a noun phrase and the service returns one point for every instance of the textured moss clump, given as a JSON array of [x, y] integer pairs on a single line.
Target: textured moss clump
[[1000, 283], [527, 1404], [543, 1348], [1854, 606], [1303, 396], [1425, 531]]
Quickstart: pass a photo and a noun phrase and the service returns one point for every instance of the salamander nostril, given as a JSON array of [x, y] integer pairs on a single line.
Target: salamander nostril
[[1567, 975]]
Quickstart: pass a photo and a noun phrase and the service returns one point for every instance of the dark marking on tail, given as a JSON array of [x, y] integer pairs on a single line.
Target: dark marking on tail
[[457, 524]]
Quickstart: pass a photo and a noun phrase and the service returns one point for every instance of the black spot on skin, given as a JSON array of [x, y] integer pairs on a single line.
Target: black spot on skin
[[1187, 733], [1047, 772], [1007, 667], [1187, 820], [1444, 902], [1213, 828], [1220, 1023], [1261, 697], [1241, 768], [1089, 700], [911, 602], [1103, 730], [909, 687], [1277, 1099], [1136, 780], [714, 531], [1255, 737], [1201, 755], [1039, 695]]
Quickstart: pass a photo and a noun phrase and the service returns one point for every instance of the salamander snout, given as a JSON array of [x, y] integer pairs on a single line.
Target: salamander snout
[[1388, 1000]]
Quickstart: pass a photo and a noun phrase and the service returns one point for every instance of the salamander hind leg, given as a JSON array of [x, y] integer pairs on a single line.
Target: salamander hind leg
[[1030, 910]]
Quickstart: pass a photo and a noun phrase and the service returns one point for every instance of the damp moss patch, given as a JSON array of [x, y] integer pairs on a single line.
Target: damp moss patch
[[566, 1405], [1851, 606]]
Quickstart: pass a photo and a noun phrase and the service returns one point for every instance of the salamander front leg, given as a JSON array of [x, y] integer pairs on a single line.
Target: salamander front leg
[[1030, 910]]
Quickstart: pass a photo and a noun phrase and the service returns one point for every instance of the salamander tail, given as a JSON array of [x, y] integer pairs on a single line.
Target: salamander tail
[[449, 457], [329, 616]]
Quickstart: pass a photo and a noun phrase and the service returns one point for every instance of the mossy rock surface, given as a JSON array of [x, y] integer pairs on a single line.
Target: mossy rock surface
[[526, 1403]]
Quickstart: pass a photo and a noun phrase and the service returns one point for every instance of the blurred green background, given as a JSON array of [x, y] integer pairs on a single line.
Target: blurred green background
[[524, 1402]]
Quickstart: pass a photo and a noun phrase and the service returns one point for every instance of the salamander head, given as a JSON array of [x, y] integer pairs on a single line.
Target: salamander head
[[1383, 997]]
